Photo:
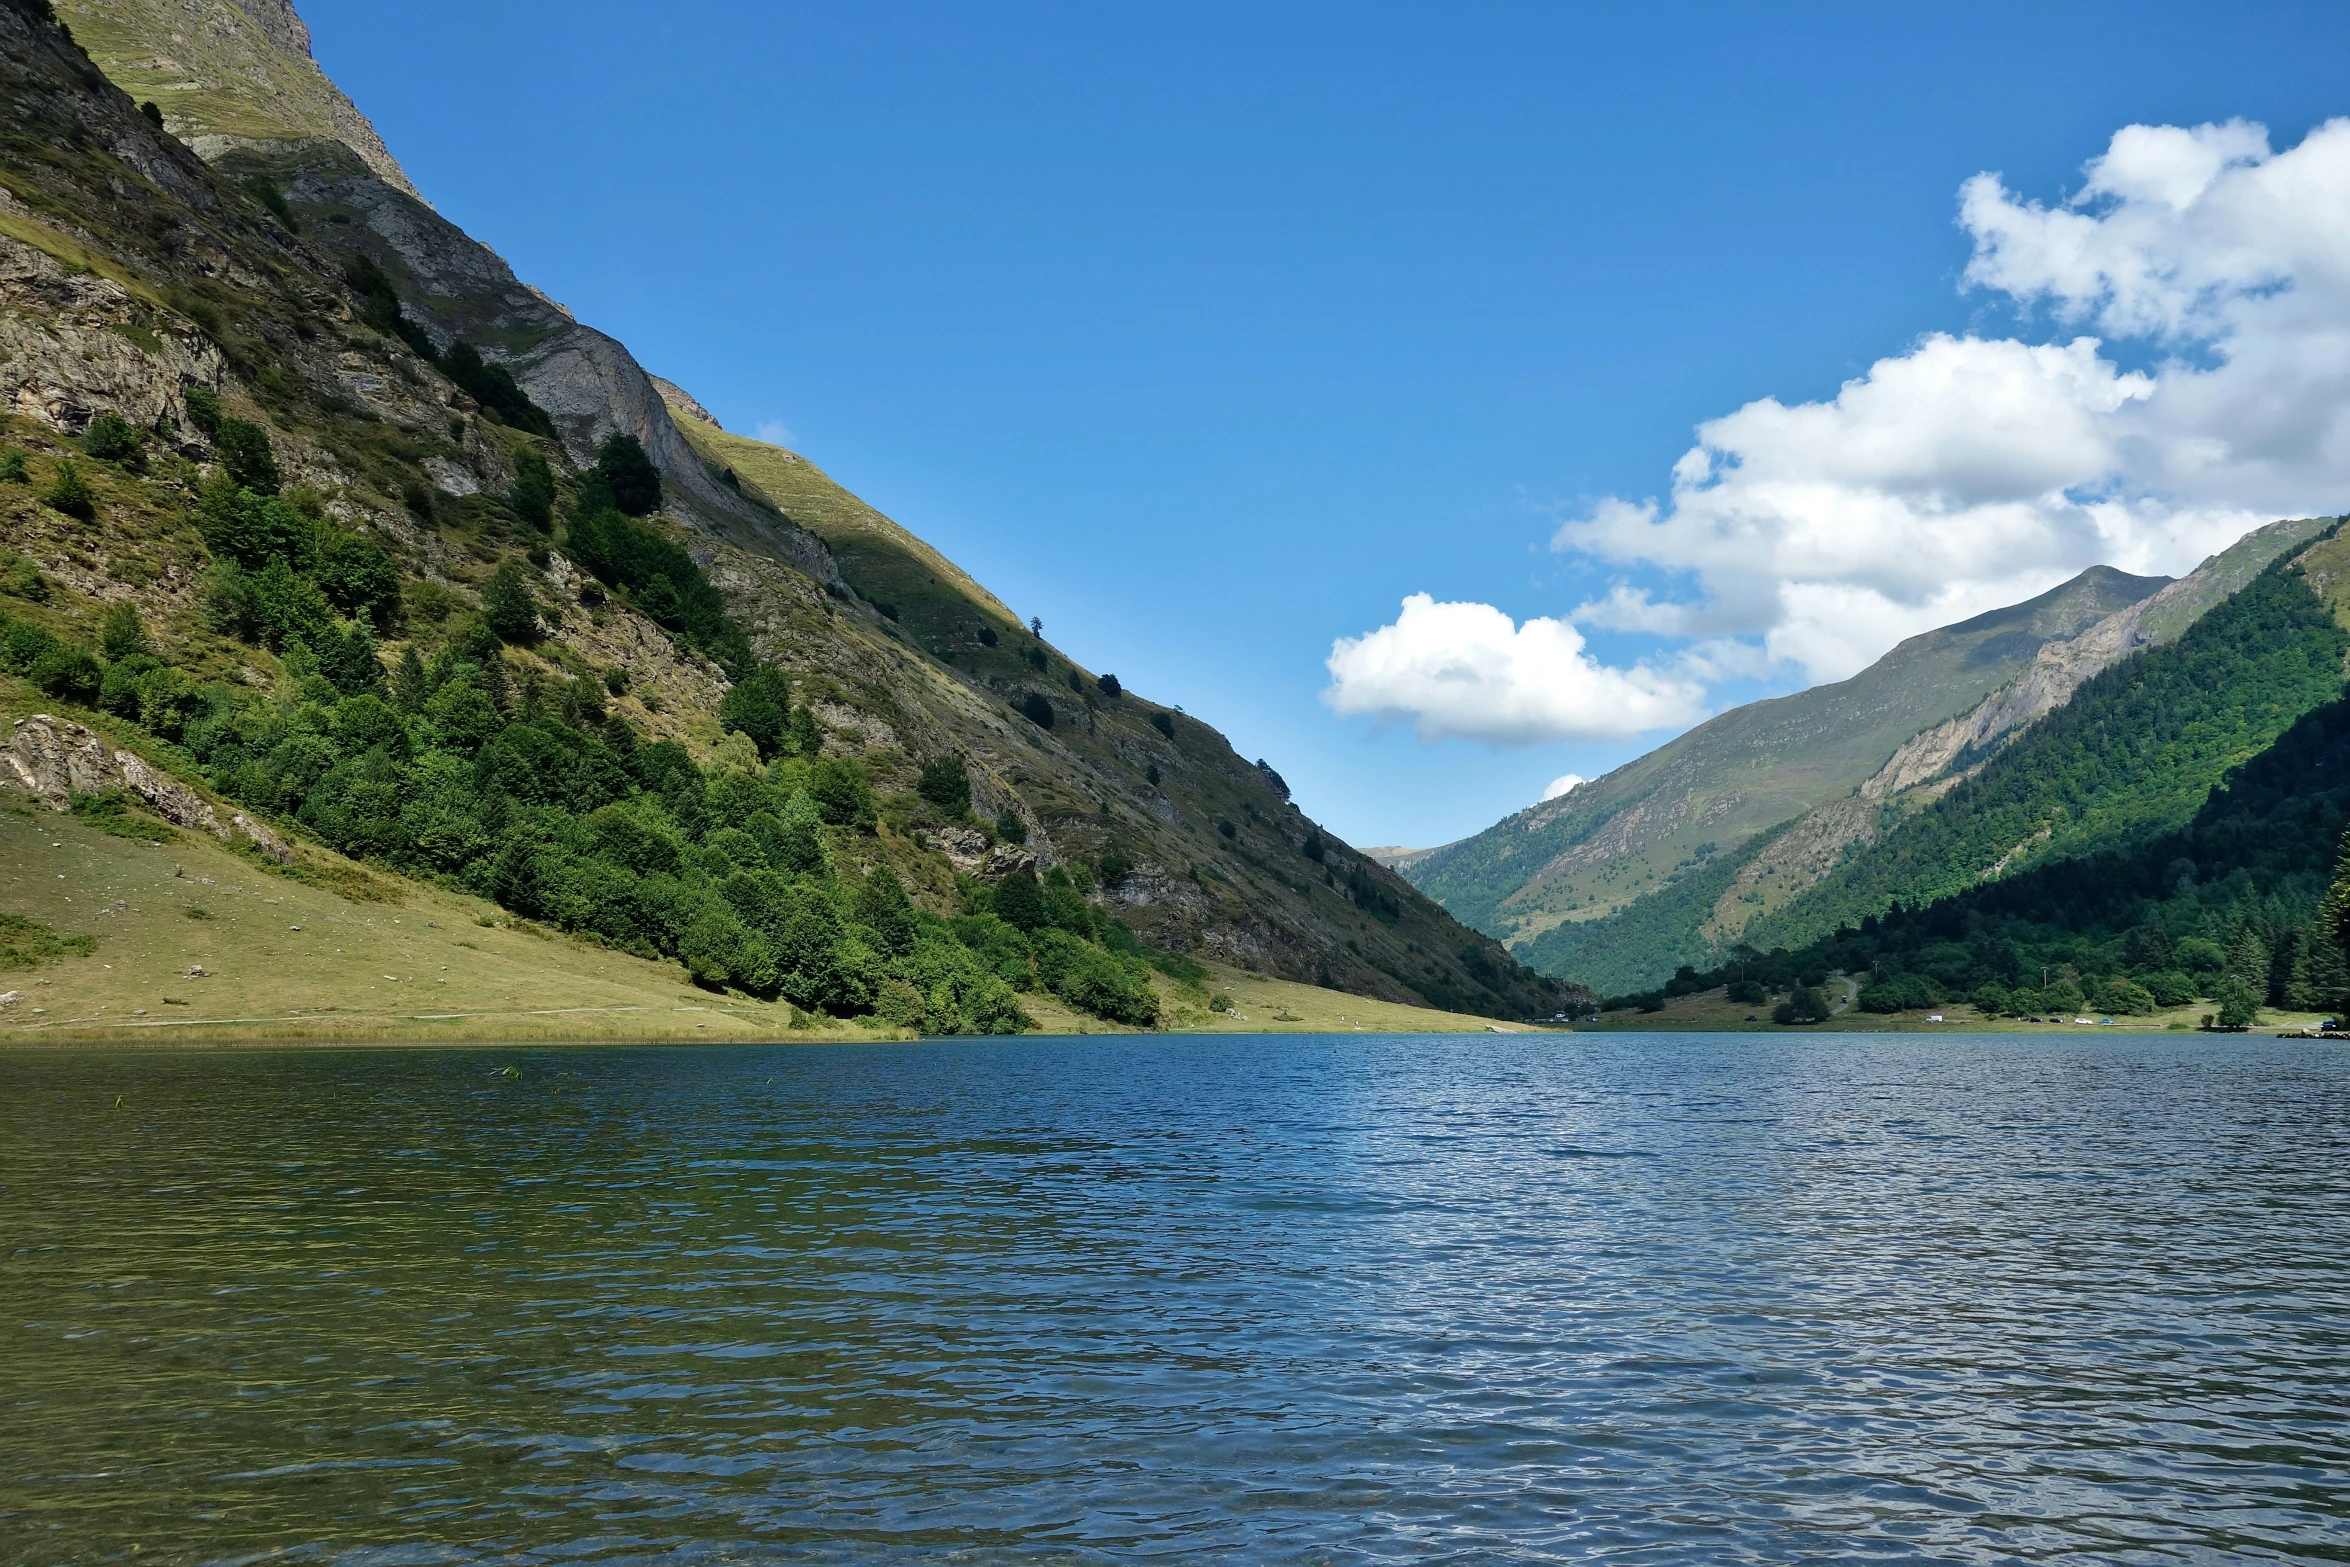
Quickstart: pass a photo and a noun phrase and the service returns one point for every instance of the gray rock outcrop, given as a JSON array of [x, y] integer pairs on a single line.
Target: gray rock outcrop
[[54, 759]]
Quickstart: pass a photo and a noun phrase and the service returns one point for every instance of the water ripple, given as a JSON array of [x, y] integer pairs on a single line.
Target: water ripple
[[1290, 1300]]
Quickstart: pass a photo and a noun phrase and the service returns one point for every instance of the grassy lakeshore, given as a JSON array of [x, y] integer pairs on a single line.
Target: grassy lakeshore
[[393, 961]]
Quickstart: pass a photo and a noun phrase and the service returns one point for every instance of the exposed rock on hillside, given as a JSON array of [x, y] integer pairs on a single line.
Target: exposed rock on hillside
[[54, 759]]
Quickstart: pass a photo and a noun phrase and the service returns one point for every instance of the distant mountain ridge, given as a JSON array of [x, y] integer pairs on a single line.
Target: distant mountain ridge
[[1671, 858], [1612, 840]]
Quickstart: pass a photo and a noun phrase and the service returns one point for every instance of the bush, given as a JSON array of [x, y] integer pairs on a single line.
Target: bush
[[70, 493], [67, 673], [121, 634], [203, 410], [1019, 902], [759, 705], [532, 495], [629, 476], [1009, 828], [2171, 988], [1037, 709], [247, 456], [842, 793], [507, 606], [1110, 687], [1806, 1005], [1095, 981], [1747, 993], [110, 438], [946, 784], [12, 466], [1116, 865], [1164, 723], [22, 645]]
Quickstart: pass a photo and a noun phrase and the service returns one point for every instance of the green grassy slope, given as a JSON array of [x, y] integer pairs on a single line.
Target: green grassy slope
[[1669, 815], [884, 562]]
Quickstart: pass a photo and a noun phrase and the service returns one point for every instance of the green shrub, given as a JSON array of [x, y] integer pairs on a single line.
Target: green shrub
[[1109, 687], [110, 438], [1037, 709], [532, 495], [247, 456], [1018, 901], [1806, 1005], [946, 784], [1899, 993], [13, 469], [1116, 865], [1747, 993], [70, 493], [1164, 723], [66, 672], [1009, 828], [25, 943], [2239, 1002], [628, 475], [1095, 981], [842, 793], [203, 407], [121, 633], [507, 606], [759, 705], [22, 645], [500, 395]]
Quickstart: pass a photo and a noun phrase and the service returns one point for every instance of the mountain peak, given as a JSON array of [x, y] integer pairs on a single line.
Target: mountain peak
[[228, 74]]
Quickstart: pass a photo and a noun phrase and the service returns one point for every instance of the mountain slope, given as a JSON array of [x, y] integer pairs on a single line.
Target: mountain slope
[[1700, 916], [2132, 755], [2228, 901], [1623, 836], [382, 613]]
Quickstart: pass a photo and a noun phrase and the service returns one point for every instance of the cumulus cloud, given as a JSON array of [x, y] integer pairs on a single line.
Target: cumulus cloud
[[1467, 670], [1971, 472], [1974, 471], [1561, 784]]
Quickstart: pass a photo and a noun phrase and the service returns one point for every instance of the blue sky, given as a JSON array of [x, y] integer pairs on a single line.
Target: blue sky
[[1210, 334]]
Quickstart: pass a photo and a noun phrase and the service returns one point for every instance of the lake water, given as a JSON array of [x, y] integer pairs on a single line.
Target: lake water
[[1559, 1298]]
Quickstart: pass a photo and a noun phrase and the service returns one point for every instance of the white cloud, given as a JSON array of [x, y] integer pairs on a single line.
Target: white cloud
[[1967, 472], [1561, 784], [775, 433], [1465, 670], [1971, 472]]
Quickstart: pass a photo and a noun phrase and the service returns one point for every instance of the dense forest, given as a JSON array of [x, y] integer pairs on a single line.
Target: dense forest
[[2247, 905]]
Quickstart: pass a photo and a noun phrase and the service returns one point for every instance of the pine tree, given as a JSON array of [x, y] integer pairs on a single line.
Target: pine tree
[[408, 682]]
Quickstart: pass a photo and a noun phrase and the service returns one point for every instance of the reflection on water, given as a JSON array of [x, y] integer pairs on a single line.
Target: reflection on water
[[1559, 1298]]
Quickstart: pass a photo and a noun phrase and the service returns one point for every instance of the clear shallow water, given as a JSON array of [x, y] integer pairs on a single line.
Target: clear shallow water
[[1581, 1298]]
